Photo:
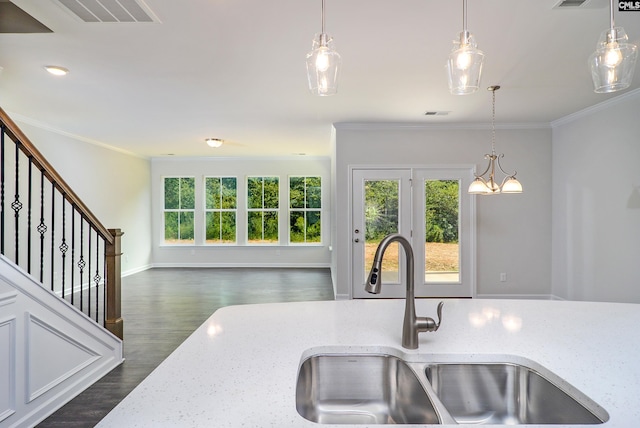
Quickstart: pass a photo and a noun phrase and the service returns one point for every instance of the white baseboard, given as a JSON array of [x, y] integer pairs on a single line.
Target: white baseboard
[[136, 270], [242, 265]]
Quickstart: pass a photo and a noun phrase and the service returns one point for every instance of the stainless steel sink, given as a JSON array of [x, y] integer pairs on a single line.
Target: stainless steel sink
[[510, 394], [362, 389]]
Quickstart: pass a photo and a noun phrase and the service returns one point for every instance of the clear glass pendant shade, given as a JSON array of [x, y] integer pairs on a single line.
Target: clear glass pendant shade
[[464, 66], [613, 62], [323, 66]]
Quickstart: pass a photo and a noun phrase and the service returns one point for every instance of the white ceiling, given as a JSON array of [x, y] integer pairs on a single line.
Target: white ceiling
[[235, 70]]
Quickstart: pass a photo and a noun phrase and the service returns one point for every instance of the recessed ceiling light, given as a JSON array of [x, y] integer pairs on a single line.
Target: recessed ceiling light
[[55, 70], [214, 142]]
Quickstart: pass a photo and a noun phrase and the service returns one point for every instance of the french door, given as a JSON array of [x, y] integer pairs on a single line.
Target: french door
[[430, 207], [381, 205]]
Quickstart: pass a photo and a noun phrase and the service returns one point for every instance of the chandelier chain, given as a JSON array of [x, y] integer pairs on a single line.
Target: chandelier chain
[[493, 120]]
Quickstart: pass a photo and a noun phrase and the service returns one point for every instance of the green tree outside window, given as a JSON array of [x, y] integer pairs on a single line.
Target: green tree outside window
[[220, 210], [179, 207], [305, 204], [263, 195]]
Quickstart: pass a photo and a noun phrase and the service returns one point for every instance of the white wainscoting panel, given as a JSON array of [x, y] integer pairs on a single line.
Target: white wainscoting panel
[[7, 365], [49, 351]]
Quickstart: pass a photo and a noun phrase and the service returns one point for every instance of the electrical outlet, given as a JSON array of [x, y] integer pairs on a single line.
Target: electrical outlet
[[503, 277]]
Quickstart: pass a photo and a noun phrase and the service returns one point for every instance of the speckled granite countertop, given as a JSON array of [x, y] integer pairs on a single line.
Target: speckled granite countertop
[[239, 368]]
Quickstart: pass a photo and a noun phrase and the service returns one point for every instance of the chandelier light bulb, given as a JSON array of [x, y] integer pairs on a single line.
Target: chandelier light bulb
[[322, 59], [612, 56], [463, 58]]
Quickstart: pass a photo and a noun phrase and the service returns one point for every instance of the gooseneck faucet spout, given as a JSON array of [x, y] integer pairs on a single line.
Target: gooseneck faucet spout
[[412, 324]]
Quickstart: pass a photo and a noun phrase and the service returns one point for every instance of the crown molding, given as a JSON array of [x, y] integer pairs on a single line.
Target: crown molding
[[41, 125], [596, 108], [435, 126]]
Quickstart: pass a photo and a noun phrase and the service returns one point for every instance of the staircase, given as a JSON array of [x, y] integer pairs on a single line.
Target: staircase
[[60, 323]]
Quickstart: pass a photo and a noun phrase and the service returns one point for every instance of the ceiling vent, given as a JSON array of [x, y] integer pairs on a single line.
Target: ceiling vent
[[583, 4], [110, 10], [436, 113]]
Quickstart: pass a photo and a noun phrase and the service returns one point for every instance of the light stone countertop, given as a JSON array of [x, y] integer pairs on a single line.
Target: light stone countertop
[[239, 368]]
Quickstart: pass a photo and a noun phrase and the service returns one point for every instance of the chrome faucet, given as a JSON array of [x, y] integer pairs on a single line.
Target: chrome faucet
[[412, 324]]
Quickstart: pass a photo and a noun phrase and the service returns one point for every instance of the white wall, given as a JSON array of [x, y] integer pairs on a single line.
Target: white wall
[[596, 202], [283, 255], [513, 231], [115, 187]]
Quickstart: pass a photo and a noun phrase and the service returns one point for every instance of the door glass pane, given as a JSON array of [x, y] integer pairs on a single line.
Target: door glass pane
[[381, 214], [442, 249]]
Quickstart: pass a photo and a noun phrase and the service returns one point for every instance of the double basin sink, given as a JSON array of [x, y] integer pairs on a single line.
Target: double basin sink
[[380, 388]]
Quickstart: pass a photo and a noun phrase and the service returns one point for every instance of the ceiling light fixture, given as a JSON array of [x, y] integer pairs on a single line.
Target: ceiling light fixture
[[464, 65], [613, 62], [56, 70], [323, 64], [489, 186], [214, 142]]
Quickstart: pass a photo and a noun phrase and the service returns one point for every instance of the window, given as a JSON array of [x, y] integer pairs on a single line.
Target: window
[[220, 210], [179, 207], [442, 249], [263, 195], [305, 203]]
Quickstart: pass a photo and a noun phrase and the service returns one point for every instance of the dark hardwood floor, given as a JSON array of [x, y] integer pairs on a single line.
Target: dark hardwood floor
[[162, 307]]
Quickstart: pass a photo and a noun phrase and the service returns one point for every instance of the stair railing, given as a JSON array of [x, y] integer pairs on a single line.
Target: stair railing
[[48, 231]]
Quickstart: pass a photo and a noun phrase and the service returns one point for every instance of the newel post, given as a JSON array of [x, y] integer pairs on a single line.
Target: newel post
[[113, 320]]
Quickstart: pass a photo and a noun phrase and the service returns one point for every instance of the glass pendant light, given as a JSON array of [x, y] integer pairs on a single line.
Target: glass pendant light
[[488, 185], [614, 61], [323, 64], [464, 65]]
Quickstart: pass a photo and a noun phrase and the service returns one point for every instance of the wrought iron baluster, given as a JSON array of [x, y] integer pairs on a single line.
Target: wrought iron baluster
[[42, 227], [89, 273], [53, 232], [16, 205], [29, 208], [81, 262], [63, 246], [97, 278], [104, 286], [73, 250]]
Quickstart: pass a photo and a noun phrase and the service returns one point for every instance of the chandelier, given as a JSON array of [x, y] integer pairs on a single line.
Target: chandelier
[[488, 185]]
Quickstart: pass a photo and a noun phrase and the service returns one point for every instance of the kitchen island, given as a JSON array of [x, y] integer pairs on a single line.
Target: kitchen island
[[239, 368]]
